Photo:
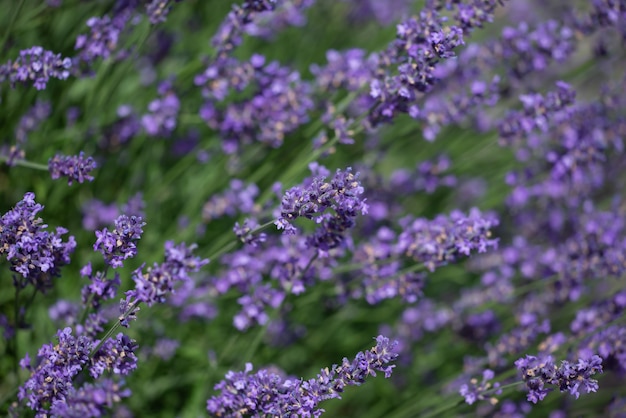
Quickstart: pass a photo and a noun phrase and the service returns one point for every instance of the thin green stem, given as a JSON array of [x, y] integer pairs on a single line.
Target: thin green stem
[[6, 35], [25, 163]]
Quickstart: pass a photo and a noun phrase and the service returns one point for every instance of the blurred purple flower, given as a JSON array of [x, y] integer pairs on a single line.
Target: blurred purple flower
[[74, 167], [36, 65]]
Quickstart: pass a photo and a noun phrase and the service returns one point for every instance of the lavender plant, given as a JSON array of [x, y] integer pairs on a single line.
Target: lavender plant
[[252, 190]]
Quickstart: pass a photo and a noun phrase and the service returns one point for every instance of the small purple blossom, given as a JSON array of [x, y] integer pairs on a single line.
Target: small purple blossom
[[74, 167], [104, 35], [475, 390], [334, 205], [36, 65], [158, 281], [119, 244], [115, 355], [34, 253]]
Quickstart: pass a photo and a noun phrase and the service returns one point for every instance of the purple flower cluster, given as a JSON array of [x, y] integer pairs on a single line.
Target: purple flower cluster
[[74, 167], [475, 391], [120, 244], [162, 113], [104, 34], [279, 101], [442, 240], [266, 393], [37, 66], [36, 254], [51, 385], [334, 205], [52, 378], [158, 281], [229, 35], [570, 377]]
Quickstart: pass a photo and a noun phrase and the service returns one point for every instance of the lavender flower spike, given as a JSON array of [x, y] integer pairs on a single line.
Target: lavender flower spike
[[119, 244], [158, 281], [539, 372], [75, 167], [34, 253], [36, 65], [268, 394]]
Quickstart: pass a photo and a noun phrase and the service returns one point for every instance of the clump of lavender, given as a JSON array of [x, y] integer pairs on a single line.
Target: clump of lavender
[[442, 240], [568, 377], [333, 204], [267, 393], [36, 254], [37, 66], [119, 244], [74, 167], [158, 281]]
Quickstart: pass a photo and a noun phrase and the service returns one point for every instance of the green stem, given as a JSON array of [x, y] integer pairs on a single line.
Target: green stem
[[27, 164], [6, 35]]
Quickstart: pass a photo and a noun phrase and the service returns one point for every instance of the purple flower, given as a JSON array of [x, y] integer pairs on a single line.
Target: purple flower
[[36, 65], [90, 400], [75, 167], [276, 101], [57, 365], [119, 244], [268, 393], [442, 240], [115, 355], [229, 34], [33, 252], [475, 391], [158, 10], [162, 113], [570, 377], [100, 287], [334, 205], [104, 34], [238, 198], [158, 281]]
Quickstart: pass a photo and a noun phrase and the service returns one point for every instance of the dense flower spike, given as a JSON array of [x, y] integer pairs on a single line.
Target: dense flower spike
[[34, 253], [90, 400], [115, 355], [37, 66], [51, 378], [570, 377], [279, 101], [158, 281], [442, 240], [75, 167], [104, 33], [119, 244], [314, 200], [265, 392]]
